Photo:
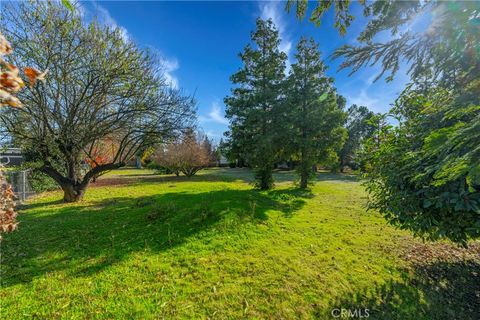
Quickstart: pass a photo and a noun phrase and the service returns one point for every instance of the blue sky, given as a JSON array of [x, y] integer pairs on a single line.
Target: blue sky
[[199, 43]]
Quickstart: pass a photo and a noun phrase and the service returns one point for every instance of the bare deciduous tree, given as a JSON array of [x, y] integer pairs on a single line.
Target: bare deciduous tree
[[99, 86], [187, 155]]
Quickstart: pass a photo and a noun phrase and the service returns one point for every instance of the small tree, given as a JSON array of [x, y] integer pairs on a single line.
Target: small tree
[[193, 154], [210, 150], [188, 155], [100, 86], [166, 156], [359, 128]]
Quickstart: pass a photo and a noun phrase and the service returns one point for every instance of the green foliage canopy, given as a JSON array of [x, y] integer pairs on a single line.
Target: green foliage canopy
[[425, 173]]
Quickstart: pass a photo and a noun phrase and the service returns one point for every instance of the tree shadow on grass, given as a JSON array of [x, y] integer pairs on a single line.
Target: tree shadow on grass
[[85, 239], [218, 174], [438, 290], [41, 204], [163, 178], [279, 176]]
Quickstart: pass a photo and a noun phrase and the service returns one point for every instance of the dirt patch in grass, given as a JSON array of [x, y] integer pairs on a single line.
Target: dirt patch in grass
[[112, 182], [127, 180], [423, 253], [449, 275]]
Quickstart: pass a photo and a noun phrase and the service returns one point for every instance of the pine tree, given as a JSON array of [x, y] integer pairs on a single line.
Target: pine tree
[[254, 106], [315, 115]]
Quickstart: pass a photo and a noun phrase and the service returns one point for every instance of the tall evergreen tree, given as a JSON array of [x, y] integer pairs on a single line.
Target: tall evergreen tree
[[315, 114], [256, 102]]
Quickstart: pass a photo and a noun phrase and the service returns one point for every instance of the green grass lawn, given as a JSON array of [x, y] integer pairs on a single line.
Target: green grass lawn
[[143, 246]]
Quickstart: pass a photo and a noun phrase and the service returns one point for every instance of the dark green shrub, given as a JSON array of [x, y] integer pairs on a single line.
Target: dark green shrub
[[40, 182]]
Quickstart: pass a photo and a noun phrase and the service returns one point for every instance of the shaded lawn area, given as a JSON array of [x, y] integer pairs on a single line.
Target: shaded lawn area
[[151, 246], [133, 176]]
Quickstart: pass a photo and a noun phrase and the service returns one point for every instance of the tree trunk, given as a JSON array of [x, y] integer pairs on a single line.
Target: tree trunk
[[73, 193], [303, 179], [304, 166], [342, 164], [304, 172], [263, 177], [73, 190]]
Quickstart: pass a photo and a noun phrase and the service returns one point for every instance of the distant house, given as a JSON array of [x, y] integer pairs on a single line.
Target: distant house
[[222, 162], [11, 156]]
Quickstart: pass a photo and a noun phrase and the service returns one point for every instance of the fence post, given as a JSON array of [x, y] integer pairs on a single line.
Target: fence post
[[24, 184]]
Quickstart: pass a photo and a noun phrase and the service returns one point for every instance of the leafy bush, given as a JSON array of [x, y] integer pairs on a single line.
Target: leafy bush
[[40, 182], [424, 175]]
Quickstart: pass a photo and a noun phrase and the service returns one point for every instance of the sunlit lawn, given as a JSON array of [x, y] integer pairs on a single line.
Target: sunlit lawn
[[211, 247]]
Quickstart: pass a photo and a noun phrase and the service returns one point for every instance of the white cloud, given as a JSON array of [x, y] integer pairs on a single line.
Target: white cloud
[[92, 10], [363, 99], [215, 115], [104, 16], [274, 10], [169, 66], [214, 135]]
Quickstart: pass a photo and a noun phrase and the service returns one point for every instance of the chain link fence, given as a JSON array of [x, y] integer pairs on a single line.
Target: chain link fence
[[20, 183]]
